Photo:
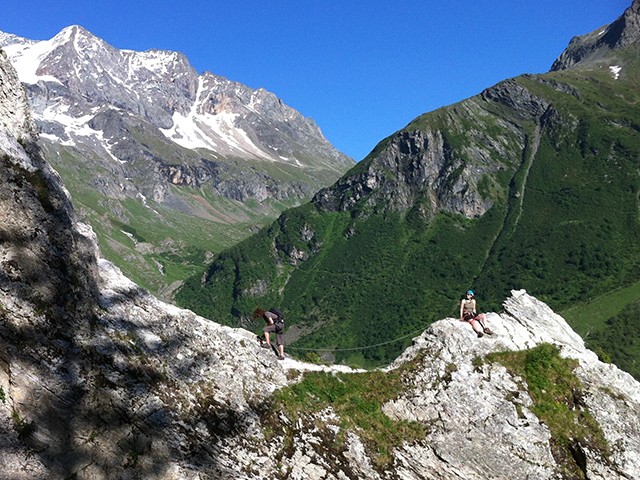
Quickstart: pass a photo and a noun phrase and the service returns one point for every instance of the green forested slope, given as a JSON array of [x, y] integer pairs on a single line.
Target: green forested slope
[[576, 235], [536, 187]]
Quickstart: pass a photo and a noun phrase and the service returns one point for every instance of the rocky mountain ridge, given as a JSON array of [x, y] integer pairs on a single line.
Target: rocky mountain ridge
[[76, 75], [597, 45]]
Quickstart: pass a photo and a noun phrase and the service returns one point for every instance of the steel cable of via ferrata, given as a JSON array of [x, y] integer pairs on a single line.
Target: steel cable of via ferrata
[[355, 348]]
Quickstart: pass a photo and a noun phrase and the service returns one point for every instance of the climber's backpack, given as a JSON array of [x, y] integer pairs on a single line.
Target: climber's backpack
[[279, 315]]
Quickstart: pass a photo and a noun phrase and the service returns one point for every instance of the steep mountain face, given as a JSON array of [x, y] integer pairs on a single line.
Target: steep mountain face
[[75, 76], [531, 184], [139, 133], [98, 379]]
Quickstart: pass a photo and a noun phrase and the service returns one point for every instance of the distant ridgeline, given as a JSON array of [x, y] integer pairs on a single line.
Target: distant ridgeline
[[531, 184]]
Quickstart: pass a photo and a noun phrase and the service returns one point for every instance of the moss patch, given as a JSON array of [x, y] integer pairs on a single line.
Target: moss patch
[[558, 402]]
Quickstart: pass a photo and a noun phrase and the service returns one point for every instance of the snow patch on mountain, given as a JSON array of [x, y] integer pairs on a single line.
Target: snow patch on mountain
[[26, 59], [73, 126], [218, 131], [615, 71]]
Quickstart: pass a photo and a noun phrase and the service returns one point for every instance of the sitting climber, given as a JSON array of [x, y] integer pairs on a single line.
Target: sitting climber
[[469, 314], [275, 323]]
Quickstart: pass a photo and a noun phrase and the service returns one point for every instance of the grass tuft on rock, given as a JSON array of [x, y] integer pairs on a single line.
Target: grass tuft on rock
[[357, 398]]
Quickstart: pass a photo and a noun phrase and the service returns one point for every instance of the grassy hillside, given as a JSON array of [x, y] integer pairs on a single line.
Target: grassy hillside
[[575, 235], [562, 181], [608, 323], [159, 244]]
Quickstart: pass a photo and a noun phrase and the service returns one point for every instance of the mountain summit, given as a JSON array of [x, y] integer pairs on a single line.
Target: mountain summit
[[599, 44], [76, 75]]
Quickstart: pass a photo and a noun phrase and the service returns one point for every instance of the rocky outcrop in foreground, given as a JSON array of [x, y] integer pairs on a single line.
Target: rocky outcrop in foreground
[[145, 390], [480, 418]]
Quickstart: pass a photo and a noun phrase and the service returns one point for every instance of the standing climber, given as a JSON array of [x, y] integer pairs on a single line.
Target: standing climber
[[275, 323], [469, 314]]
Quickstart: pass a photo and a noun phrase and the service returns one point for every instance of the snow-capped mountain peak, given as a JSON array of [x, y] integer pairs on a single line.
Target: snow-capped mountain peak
[[77, 35], [79, 74], [146, 124]]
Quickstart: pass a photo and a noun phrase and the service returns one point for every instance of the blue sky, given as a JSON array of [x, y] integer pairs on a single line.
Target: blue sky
[[360, 69]]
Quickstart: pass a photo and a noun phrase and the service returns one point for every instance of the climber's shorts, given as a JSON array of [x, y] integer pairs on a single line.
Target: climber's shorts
[[278, 328]]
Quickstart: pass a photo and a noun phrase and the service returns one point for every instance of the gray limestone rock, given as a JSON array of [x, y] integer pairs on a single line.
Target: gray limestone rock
[[480, 418]]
